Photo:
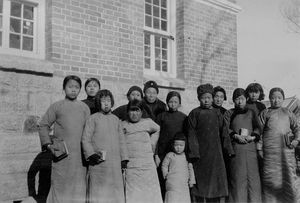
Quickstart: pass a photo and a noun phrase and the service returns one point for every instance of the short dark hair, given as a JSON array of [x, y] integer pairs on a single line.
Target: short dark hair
[[135, 104], [90, 80], [276, 89], [71, 77], [255, 87], [103, 93], [173, 94], [220, 89], [238, 92]]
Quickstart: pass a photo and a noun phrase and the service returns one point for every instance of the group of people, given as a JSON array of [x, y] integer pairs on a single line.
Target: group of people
[[149, 151]]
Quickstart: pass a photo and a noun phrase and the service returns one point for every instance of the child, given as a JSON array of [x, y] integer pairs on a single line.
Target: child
[[134, 92], [254, 94], [219, 98], [205, 148], [102, 135], [171, 122], [178, 172], [68, 116], [153, 105], [280, 182], [91, 86], [244, 182], [141, 135]]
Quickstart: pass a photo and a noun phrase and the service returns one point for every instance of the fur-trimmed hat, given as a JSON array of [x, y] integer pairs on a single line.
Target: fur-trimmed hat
[[149, 84], [205, 88]]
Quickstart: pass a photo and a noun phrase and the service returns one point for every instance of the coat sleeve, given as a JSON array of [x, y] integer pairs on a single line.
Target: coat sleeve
[[192, 179], [226, 134], [86, 139], [45, 124], [123, 145], [165, 165], [294, 126], [154, 131], [193, 145], [262, 119]]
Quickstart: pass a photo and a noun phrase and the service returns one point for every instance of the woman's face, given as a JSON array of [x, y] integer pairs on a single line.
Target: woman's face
[[174, 103], [276, 99], [72, 89], [253, 96], [134, 115], [219, 98], [240, 102], [151, 95], [92, 88], [135, 95]]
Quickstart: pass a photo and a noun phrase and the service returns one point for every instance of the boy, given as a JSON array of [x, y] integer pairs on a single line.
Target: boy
[[205, 149]]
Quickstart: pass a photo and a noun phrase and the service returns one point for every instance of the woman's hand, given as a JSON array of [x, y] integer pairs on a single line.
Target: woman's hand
[[260, 153], [241, 139], [156, 160], [294, 144], [249, 138]]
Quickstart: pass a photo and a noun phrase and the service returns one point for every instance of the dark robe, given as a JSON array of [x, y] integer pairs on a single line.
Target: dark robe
[[257, 107], [206, 151], [90, 101], [244, 182], [155, 108], [121, 113], [220, 108]]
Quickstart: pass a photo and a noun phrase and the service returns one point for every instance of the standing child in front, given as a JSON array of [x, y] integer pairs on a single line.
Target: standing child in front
[[206, 149], [179, 174], [103, 134], [170, 122], [68, 117]]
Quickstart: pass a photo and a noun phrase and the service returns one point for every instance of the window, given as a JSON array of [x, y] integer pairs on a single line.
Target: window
[[22, 27], [159, 42]]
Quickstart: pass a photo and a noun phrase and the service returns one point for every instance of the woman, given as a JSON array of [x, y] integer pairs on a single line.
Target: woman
[[141, 137], [281, 134]]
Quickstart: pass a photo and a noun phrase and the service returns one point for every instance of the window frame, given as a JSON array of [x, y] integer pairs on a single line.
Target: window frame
[[170, 34], [38, 29]]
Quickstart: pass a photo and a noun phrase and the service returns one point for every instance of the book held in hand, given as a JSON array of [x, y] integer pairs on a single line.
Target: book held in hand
[[60, 150], [102, 154]]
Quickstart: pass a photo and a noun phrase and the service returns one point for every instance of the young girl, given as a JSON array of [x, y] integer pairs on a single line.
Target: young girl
[[219, 98], [206, 146], [243, 174], [254, 94], [179, 174], [68, 116], [104, 147], [171, 122], [91, 86], [141, 135], [280, 182]]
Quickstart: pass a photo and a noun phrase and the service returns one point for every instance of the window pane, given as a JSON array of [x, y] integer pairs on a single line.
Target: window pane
[[15, 9], [164, 54], [14, 41], [163, 14], [28, 28], [156, 2], [15, 25], [148, 21], [157, 65], [0, 38], [156, 23], [28, 43], [0, 22], [148, 9], [164, 25], [147, 39], [164, 3], [157, 54], [147, 63], [28, 12], [164, 43], [149, 1], [164, 66], [147, 51], [157, 41], [156, 11]]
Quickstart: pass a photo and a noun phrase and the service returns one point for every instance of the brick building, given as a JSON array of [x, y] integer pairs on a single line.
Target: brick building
[[178, 43]]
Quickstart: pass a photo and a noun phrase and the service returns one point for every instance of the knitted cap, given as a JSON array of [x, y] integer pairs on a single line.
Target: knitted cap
[[135, 88], [149, 84]]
